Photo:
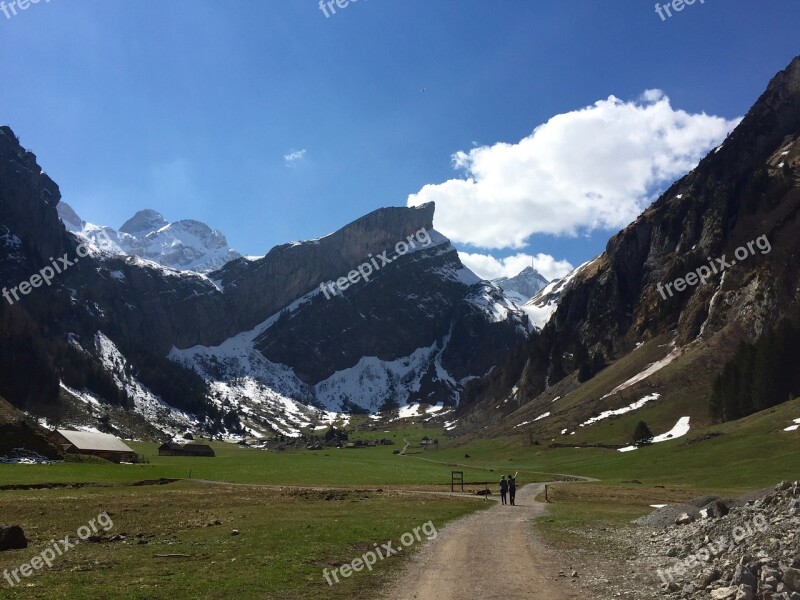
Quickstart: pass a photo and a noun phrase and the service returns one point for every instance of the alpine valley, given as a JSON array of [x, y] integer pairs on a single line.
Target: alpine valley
[[163, 328]]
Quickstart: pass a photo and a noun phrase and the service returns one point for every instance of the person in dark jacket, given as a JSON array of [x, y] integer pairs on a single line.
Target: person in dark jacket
[[512, 488], [503, 489]]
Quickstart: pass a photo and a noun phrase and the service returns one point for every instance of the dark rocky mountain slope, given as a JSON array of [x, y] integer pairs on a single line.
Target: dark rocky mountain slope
[[743, 197]]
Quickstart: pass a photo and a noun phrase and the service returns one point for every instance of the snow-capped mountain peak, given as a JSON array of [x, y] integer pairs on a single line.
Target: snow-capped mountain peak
[[186, 245], [542, 306], [143, 222], [523, 286]]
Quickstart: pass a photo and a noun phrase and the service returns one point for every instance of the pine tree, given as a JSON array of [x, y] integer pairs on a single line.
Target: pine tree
[[583, 364], [642, 436]]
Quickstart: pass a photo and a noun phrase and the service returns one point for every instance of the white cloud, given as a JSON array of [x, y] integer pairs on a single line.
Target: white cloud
[[293, 156], [597, 167], [489, 267], [649, 96]]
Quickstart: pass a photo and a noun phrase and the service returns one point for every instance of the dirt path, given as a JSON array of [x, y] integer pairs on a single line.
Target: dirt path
[[492, 553]]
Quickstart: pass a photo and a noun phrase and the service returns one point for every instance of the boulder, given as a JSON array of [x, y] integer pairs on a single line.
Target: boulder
[[708, 577], [717, 509], [743, 576], [726, 593], [791, 579], [12, 538], [684, 519]]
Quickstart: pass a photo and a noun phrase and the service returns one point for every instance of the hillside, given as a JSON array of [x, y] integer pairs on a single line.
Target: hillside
[[622, 335], [17, 431]]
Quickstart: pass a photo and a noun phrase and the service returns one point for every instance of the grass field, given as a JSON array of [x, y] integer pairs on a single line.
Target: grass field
[[288, 535], [749, 453], [286, 539], [375, 466]]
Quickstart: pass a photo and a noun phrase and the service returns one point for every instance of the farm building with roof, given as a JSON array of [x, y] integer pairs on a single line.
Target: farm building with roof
[[102, 445]]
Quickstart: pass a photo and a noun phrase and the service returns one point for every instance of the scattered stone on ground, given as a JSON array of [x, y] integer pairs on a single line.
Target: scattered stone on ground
[[750, 552], [744, 549]]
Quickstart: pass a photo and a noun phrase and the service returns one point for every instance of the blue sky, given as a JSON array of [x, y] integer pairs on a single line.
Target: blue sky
[[191, 108]]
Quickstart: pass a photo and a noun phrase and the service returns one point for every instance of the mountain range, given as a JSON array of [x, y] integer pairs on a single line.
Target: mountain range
[[167, 329], [254, 347]]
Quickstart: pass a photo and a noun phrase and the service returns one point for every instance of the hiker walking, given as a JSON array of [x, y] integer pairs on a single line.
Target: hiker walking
[[503, 489], [512, 488]]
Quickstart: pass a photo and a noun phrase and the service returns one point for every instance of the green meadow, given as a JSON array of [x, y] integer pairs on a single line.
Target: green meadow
[[298, 512], [745, 454], [180, 544]]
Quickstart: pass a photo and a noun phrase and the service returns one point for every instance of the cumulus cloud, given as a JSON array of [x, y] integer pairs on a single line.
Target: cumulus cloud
[[489, 267], [293, 156], [593, 168]]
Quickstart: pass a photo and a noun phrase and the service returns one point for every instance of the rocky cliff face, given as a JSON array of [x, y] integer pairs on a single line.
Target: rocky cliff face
[[417, 329], [32, 236]]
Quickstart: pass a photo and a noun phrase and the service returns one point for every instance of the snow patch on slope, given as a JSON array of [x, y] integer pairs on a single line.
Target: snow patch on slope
[[794, 427], [680, 429], [147, 404], [10, 240], [650, 370], [372, 381], [539, 418], [621, 411]]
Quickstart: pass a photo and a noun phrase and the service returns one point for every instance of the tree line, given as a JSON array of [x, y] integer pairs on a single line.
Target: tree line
[[759, 376]]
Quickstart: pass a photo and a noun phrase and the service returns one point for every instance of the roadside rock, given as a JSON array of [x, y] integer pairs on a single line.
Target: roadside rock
[[749, 552], [791, 578], [743, 576], [664, 517], [745, 592]]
